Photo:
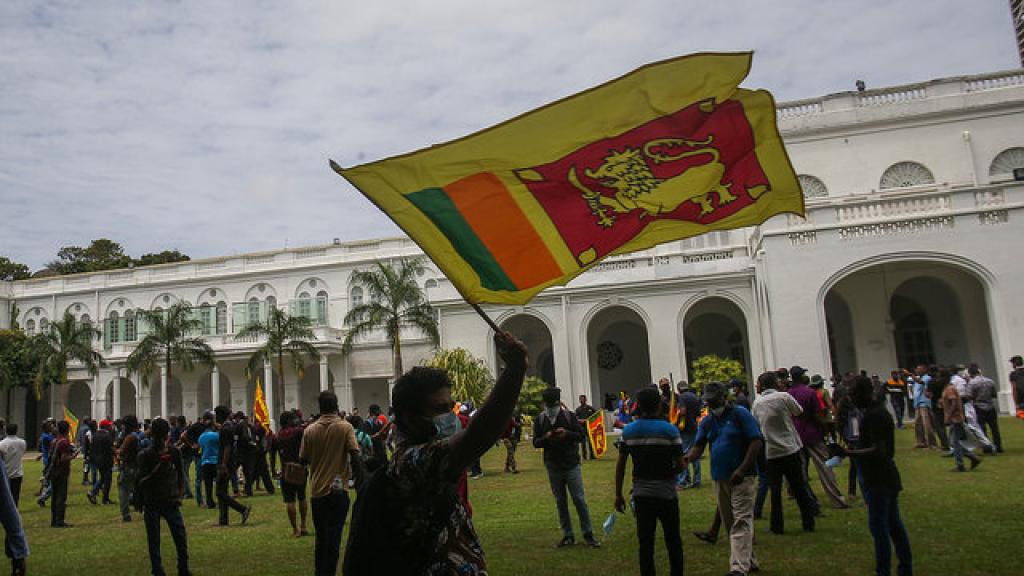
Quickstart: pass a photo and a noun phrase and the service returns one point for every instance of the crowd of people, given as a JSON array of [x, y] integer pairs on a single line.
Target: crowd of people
[[410, 466]]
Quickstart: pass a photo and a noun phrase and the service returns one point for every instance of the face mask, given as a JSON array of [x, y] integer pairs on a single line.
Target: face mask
[[447, 424], [718, 411], [552, 412]]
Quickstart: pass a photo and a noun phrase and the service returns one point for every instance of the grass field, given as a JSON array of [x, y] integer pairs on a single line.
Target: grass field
[[960, 524]]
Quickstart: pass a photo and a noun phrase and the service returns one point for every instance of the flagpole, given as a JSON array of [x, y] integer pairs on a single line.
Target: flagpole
[[486, 318]]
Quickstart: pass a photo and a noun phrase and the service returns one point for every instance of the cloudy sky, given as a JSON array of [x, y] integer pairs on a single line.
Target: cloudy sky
[[206, 126]]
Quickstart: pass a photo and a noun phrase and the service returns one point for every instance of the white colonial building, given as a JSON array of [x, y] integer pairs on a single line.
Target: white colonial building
[[908, 254]]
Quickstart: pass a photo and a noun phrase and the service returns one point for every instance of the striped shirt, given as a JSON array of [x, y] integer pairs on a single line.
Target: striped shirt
[[655, 446]]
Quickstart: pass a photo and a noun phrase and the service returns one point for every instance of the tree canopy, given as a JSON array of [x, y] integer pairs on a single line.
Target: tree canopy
[[10, 270], [104, 254]]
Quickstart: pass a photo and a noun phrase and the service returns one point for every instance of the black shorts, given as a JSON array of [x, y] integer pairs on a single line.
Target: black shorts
[[292, 492]]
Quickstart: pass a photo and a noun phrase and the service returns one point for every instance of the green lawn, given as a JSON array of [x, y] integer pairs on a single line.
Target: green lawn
[[960, 524]]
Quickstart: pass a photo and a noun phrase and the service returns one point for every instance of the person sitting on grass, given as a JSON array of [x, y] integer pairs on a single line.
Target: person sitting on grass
[[160, 489]]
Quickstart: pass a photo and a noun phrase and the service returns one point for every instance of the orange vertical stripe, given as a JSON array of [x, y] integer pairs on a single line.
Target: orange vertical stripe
[[508, 234]]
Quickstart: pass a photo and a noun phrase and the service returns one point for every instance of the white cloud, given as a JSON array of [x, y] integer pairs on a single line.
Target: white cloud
[[206, 126]]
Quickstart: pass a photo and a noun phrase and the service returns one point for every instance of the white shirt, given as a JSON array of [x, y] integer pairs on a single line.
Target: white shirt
[[12, 449], [775, 413]]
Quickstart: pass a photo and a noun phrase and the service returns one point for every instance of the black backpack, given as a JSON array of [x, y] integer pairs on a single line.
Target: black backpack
[[374, 543]]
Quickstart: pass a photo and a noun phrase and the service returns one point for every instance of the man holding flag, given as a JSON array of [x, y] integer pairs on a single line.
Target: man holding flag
[[61, 455]]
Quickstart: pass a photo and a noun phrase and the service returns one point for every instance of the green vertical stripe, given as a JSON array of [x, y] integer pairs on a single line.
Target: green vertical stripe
[[442, 212]]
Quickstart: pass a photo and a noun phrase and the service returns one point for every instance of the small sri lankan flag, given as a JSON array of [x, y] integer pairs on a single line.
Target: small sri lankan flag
[[72, 421], [671, 150], [259, 407]]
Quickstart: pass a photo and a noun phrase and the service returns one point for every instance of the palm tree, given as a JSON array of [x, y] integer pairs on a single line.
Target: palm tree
[[396, 301], [286, 335], [66, 341], [170, 340]]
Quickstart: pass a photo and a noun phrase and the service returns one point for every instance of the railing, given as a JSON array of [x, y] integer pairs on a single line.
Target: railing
[[892, 96], [896, 208], [799, 108], [994, 81]]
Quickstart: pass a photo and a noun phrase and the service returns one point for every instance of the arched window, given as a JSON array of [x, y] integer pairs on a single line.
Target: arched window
[[812, 187], [84, 321], [271, 303], [222, 318], [357, 296], [30, 327], [321, 307], [1005, 163], [114, 327], [904, 175], [206, 319], [253, 312], [305, 306], [44, 325], [130, 327]]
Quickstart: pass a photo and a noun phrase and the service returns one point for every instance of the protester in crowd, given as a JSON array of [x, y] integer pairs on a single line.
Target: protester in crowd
[[209, 449], [775, 411], [557, 431], [226, 465], [62, 453], [46, 438], [739, 391], [882, 485], [127, 457], [896, 390], [735, 440], [417, 524], [623, 410], [953, 411], [936, 386], [12, 452], [848, 422], [1017, 381], [286, 445], [15, 543], [261, 471], [510, 438], [329, 446], [926, 437], [84, 441], [189, 446], [584, 411], [982, 392], [689, 407], [179, 438], [160, 489], [376, 426], [810, 424], [656, 449], [102, 447]]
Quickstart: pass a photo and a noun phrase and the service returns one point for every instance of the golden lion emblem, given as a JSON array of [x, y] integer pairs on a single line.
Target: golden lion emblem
[[636, 187]]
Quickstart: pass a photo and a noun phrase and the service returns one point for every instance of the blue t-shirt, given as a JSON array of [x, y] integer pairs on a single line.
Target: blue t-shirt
[[45, 441], [728, 436], [920, 400], [209, 444]]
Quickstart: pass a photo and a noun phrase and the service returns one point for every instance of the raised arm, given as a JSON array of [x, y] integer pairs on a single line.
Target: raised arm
[[492, 417]]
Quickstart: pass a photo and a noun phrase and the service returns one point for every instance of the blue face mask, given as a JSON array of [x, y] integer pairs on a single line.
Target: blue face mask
[[447, 424]]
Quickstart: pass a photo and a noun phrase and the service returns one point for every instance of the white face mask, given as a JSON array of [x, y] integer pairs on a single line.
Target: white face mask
[[551, 411], [718, 411], [447, 424]]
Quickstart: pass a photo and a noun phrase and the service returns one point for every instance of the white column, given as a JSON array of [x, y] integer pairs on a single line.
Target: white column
[[163, 392], [324, 374], [116, 392], [268, 391], [215, 386]]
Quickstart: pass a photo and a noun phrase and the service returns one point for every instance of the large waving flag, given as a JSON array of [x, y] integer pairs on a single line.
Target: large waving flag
[[259, 407], [72, 421], [671, 150], [595, 430]]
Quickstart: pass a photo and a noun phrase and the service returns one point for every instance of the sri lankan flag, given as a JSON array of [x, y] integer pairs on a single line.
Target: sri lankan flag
[[72, 421], [259, 407], [671, 150], [595, 430]]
